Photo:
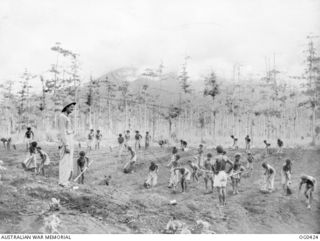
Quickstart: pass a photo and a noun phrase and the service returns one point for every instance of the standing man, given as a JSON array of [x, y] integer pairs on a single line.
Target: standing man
[[127, 139], [250, 160], [98, 139], [121, 144], [29, 136], [220, 170], [138, 138], [200, 155], [280, 145], [130, 165], [147, 140], [90, 140], [67, 166], [247, 140]]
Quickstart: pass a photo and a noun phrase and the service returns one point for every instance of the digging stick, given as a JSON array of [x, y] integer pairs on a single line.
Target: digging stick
[[83, 171]]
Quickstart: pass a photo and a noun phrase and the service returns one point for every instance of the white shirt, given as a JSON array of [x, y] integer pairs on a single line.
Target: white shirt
[[65, 127]]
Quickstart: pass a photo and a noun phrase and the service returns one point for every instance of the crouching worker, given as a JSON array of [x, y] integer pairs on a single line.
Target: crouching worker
[[184, 145], [310, 183], [267, 147], [152, 176], [83, 162], [129, 167], [183, 176], [30, 163], [280, 145], [173, 226], [7, 143], [269, 175], [106, 180], [45, 161]]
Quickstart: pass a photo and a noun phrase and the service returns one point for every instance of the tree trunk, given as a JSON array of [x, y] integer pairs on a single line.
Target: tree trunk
[[153, 123], [126, 114], [90, 118], [145, 118], [313, 125], [109, 115]]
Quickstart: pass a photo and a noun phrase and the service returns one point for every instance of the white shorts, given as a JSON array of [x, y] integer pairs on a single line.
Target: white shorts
[[90, 143], [188, 176], [220, 180], [250, 165]]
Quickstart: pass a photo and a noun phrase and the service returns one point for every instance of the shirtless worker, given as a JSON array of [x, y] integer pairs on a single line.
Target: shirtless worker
[[184, 145], [220, 179], [195, 171], [127, 139], [280, 145], [7, 143], [44, 161], [173, 156], [183, 176], [152, 177], [173, 181], [237, 171], [98, 139], [121, 144], [90, 140], [235, 142], [309, 182], [267, 146], [82, 162], [200, 155], [147, 140], [250, 160], [137, 138], [208, 172], [248, 142], [29, 136], [286, 176], [129, 167]]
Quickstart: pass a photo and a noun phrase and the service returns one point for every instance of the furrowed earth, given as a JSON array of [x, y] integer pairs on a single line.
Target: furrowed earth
[[125, 206]]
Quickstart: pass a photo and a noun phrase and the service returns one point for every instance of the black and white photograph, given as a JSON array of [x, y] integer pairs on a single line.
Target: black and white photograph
[[159, 117]]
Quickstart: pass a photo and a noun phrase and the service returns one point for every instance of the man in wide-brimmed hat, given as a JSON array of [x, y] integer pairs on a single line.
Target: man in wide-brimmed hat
[[65, 136]]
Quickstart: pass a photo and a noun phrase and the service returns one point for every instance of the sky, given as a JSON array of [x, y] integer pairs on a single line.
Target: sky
[[110, 34]]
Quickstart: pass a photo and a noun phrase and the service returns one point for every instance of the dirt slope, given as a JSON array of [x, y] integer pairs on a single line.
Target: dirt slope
[[126, 207]]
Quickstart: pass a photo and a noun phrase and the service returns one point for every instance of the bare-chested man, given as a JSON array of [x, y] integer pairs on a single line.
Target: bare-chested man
[[208, 172], [220, 179]]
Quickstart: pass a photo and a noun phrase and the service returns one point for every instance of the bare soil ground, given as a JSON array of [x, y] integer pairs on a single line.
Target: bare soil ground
[[126, 207]]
